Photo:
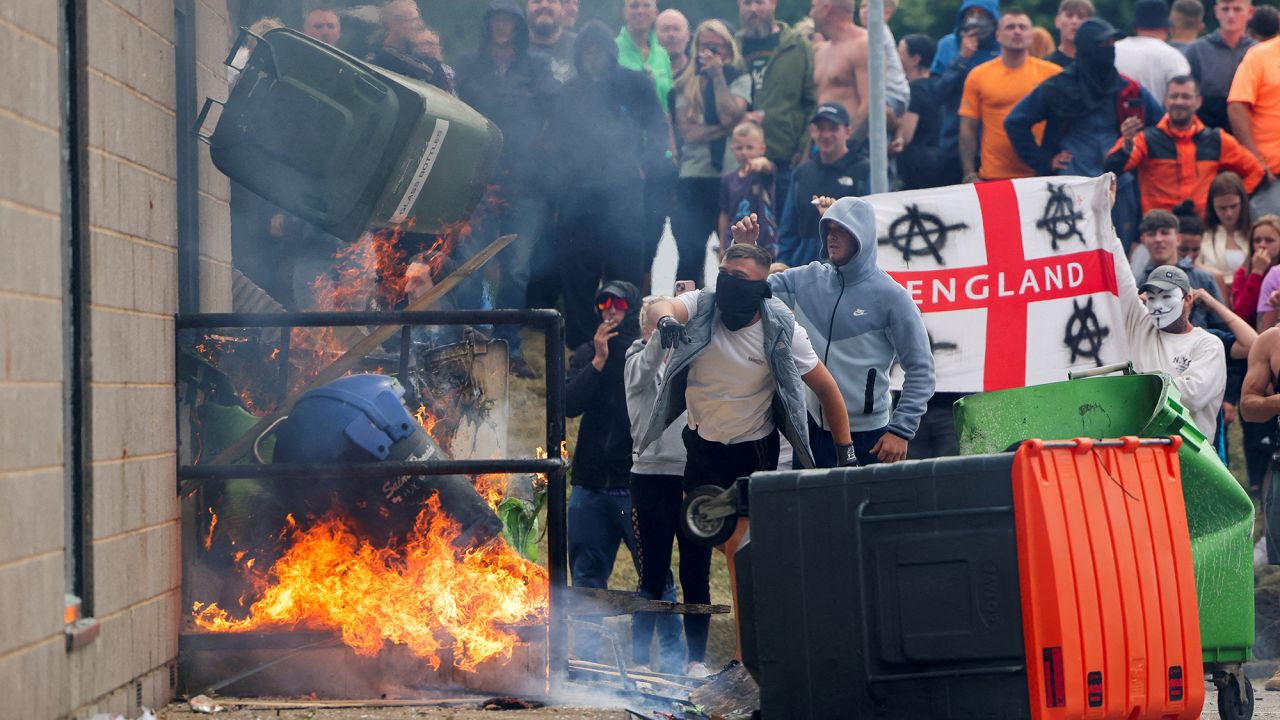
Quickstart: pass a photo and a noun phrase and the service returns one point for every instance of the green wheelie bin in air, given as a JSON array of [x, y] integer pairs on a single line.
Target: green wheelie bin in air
[[1220, 515], [346, 145]]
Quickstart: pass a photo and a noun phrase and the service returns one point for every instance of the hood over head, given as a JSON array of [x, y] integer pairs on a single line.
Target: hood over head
[[1088, 84], [594, 33], [516, 10], [626, 291], [993, 9], [859, 218]]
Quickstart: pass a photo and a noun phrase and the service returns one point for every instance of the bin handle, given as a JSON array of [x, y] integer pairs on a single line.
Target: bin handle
[[205, 138], [1123, 367]]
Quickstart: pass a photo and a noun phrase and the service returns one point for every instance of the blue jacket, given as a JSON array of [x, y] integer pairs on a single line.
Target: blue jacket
[[1087, 139], [860, 320], [951, 70]]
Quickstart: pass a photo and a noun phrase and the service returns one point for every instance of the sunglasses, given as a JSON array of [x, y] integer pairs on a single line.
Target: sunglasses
[[610, 301]]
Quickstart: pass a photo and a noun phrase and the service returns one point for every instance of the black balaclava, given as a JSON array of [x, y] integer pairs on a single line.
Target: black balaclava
[[1087, 85], [739, 300]]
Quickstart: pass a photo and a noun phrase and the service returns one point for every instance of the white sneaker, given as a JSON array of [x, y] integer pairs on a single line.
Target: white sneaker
[[697, 670]]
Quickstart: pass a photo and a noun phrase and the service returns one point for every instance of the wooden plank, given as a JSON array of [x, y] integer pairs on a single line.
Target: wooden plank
[[370, 342]]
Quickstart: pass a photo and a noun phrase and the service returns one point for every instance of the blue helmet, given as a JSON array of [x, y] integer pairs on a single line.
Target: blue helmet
[[357, 418]]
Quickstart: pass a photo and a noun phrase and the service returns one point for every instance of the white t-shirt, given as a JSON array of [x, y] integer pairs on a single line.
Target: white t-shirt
[[1152, 62], [1196, 360], [730, 388]]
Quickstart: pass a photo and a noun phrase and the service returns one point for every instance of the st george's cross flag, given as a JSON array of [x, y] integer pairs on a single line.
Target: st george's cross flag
[[1015, 279]]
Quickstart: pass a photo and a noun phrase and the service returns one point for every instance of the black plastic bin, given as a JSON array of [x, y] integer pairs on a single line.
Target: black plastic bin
[[885, 592]]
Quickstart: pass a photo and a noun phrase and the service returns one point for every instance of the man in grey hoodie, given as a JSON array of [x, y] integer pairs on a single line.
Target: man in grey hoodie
[[860, 320]]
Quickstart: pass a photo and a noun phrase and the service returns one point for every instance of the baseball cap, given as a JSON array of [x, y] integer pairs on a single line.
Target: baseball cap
[[1150, 15], [1167, 277], [833, 111]]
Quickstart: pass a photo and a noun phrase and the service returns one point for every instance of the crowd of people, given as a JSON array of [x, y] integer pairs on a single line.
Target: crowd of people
[[756, 132]]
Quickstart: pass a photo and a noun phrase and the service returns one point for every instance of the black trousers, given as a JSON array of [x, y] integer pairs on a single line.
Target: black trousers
[[655, 507], [713, 463], [696, 214]]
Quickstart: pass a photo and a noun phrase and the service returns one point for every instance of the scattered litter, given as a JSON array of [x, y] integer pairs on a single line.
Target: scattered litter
[[204, 704], [510, 703]]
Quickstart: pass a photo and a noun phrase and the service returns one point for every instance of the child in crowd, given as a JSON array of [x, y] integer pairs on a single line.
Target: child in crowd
[[749, 189]]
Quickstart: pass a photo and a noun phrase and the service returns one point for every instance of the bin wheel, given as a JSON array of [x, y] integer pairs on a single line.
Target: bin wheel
[[1230, 704], [710, 515]]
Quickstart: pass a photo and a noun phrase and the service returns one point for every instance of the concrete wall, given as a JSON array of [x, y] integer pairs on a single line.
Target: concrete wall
[[132, 207]]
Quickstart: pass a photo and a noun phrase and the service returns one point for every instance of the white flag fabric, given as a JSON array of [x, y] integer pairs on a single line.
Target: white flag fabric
[[1015, 279]]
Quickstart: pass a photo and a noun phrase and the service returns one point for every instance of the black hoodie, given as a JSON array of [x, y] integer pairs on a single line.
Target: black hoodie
[[602, 457], [609, 130], [518, 99]]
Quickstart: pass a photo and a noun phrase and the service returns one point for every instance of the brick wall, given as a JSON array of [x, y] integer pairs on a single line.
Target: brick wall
[[132, 215]]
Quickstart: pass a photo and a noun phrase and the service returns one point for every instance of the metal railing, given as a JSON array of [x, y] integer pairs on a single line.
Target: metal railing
[[550, 322]]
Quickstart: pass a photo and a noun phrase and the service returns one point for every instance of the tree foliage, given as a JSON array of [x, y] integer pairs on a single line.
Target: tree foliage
[[458, 21]]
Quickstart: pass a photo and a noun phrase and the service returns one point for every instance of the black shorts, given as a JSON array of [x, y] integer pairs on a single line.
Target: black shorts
[[714, 463]]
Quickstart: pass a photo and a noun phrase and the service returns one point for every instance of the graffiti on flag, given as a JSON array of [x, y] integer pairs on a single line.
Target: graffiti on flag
[[1014, 278]]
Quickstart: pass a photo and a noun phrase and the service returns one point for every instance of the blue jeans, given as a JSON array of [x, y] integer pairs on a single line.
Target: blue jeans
[[598, 521], [824, 448]]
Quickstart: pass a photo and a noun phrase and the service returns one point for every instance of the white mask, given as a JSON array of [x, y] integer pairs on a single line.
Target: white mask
[[1165, 306]]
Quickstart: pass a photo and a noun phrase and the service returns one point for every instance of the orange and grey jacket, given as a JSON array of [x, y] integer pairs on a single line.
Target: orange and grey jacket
[[1175, 165]]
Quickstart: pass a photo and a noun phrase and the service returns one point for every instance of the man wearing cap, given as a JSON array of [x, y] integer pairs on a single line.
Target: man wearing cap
[[1159, 233], [600, 504], [1083, 108], [1145, 56], [835, 173], [1162, 338]]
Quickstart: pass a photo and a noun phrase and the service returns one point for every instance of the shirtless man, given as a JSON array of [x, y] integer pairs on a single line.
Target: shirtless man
[[1259, 402], [840, 63]]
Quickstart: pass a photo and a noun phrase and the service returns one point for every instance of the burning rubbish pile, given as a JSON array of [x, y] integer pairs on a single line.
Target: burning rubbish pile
[[417, 563]]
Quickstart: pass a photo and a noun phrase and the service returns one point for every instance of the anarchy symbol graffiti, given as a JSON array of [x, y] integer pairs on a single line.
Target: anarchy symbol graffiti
[[1060, 217], [919, 234], [936, 346], [1085, 333]]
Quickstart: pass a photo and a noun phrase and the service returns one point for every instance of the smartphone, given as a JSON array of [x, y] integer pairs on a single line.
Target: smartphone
[[684, 286], [1133, 108]]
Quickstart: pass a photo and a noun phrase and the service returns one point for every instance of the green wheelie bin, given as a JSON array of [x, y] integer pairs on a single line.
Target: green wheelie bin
[[346, 145], [1097, 404]]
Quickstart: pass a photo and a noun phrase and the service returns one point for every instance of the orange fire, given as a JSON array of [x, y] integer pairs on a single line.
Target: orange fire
[[213, 523], [425, 595]]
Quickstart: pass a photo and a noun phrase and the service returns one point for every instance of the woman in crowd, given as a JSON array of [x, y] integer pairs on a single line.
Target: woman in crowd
[[1226, 222], [710, 97]]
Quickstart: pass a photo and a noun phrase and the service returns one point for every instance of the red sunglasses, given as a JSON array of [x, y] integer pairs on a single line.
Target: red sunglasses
[[614, 302]]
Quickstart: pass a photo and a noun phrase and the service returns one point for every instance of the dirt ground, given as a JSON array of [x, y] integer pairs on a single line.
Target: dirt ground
[[180, 711]]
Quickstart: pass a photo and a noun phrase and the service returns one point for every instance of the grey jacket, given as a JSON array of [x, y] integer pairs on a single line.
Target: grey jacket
[[667, 455], [788, 397], [1213, 64], [860, 320]]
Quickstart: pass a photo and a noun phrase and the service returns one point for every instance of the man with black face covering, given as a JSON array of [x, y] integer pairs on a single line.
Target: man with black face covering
[[1083, 109], [861, 321], [739, 366], [609, 134]]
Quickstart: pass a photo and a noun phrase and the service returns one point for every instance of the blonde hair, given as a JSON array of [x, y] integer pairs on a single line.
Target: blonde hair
[[690, 80], [265, 24], [748, 128], [649, 324], [1271, 221]]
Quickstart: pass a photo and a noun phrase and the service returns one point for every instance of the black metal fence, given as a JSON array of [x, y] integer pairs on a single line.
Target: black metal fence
[[550, 322]]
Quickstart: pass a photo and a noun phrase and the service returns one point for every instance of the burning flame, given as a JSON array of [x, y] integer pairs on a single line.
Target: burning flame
[[424, 595], [213, 523]]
